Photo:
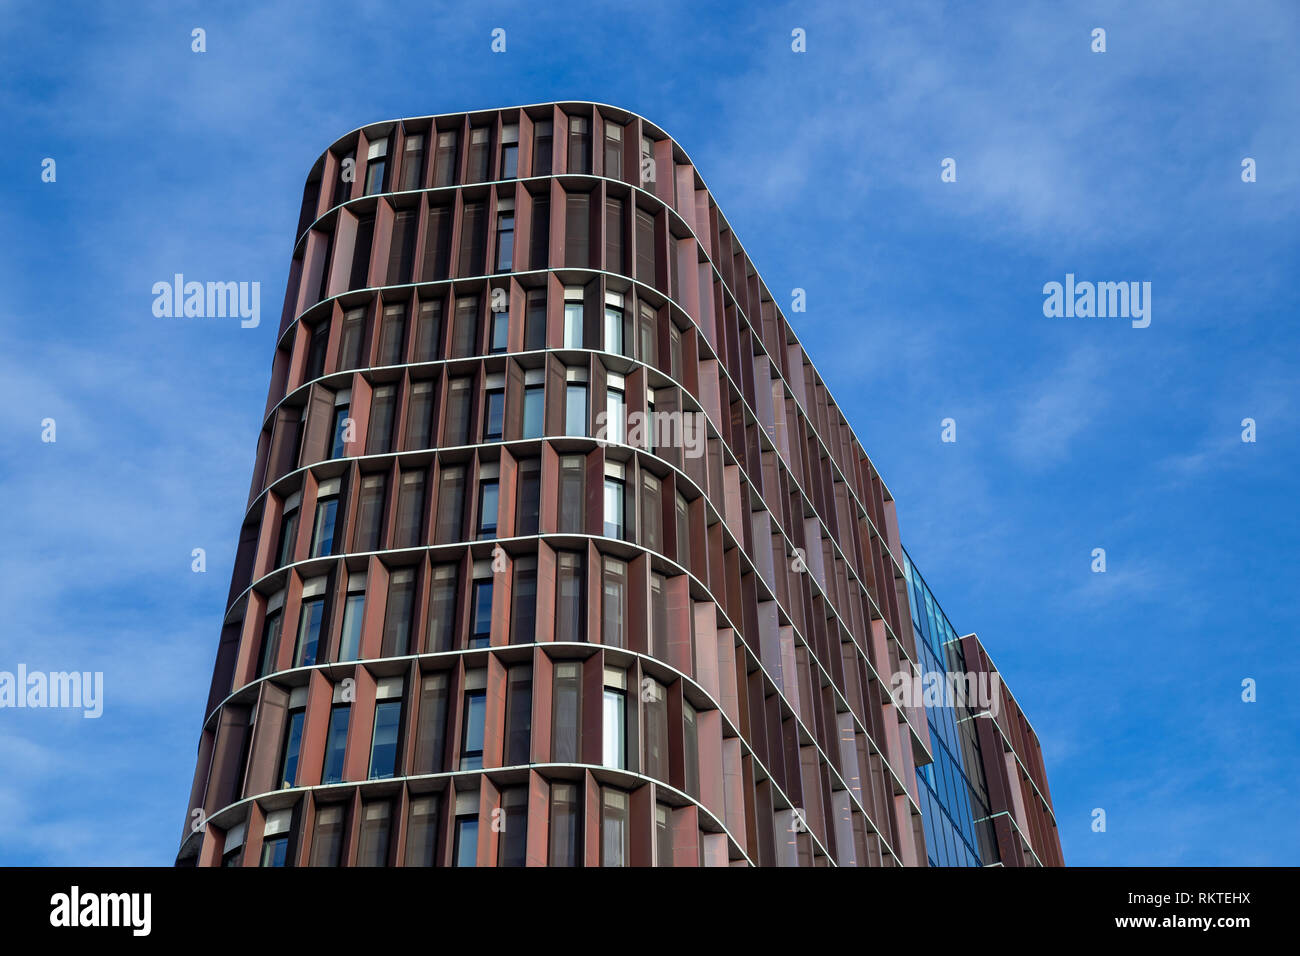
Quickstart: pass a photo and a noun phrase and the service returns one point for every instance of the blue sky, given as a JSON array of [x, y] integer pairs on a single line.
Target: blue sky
[[924, 303]]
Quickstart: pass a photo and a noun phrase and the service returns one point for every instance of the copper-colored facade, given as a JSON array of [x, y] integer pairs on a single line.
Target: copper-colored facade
[[467, 625]]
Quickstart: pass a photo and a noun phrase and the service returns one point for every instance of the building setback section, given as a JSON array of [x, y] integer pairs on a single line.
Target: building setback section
[[479, 618]]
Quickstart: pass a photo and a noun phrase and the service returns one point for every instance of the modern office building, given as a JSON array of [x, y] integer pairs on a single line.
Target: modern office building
[[559, 552]]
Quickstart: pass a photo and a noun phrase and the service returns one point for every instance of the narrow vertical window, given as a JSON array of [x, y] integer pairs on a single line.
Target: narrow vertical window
[[494, 414], [464, 330], [288, 531], [359, 277], [614, 837], [370, 513], [488, 506], [523, 615], [353, 339], [428, 332], [336, 743], [437, 244], [577, 230], [327, 836], [613, 751], [431, 736], [386, 737], [649, 343], [645, 247], [457, 419], [692, 750], [528, 505], [413, 161], [613, 605], [539, 242], [535, 320], [512, 845], [464, 851], [663, 835], [383, 407], [613, 507], [401, 249], [444, 173], [410, 510], [613, 150], [614, 330], [655, 697], [519, 714], [614, 236], [392, 335], [310, 619], [480, 142], [659, 616], [505, 235], [563, 842], [509, 150], [376, 167], [480, 634], [420, 418], [569, 604], [615, 416], [534, 411], [354, 609], [566, 707], [473, 239], [316, 349], [543, 147], [327, 504], [651, 512], [398, 613], [571, 494], [579, 144], [471, 747], [422, 831], [292, 746], [451, 504], [270, 638], [442, 608], [573, 320], [376, 831], [575, 408]]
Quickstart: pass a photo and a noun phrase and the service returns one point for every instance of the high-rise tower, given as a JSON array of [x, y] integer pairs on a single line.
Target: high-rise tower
[[558, 550]]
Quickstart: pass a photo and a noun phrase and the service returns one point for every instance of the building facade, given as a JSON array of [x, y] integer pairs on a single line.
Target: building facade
[[559, 552]]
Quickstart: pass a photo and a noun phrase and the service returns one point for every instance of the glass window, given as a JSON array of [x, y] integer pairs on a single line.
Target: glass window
[[442, 608], [575, 408], [336, 743], [451, 503], [480, 141], [292, 747], [663, 835], [539, 243], [412, 161], [383, 747], [579, 144], [615, 417], [505, 238], [354, 327], [370, 512], [683, 531], [270, 643], [376, 828], [458, 408], [431, 736], [464, 337], [275, 851], [543, 139], [573, 325], [614, 603], [649, 340], [692, 755], [481, 628], [651, 511], [488, 494], [420, 418], [571, 493], [614, 729], [309, 628], [376, 167], [613, 828], [512, 845], [569, 604], [564, 825], [613, 508], [645, 247], [528, 506], [288, 534], [327, 836], [316, 349], [534, 410], [523, 620], [656, 729], [613, 150], [519, 714], [465, 851], [428, 332], [535, 320], [509, 151], [354, 610], [566, 711], [422, 831], [392, 335], [494, 414], [444, 170], [659, 616], [499, 339], [614, 330], [410, 510], [322, 539], [471, 750], [398, 614], [340, 431]]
